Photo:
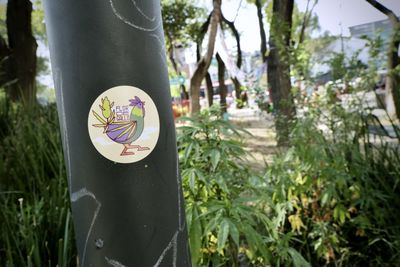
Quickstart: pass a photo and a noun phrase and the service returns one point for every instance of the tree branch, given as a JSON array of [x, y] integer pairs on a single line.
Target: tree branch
[[393, 18], [262, 31], [235, 33]]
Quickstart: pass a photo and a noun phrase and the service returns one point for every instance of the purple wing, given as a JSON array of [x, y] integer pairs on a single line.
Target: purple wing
[[122, 132]]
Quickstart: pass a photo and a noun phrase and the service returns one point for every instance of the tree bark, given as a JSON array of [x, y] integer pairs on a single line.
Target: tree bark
[[22, 45], [393, 77], [235, 81], [205, 61], [263, 47], [279, 68], [210, 89], [306, 20], [176, 68], [223, 90]]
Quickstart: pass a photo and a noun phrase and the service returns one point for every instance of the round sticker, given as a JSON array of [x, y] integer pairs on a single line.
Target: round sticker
[[124, 124]]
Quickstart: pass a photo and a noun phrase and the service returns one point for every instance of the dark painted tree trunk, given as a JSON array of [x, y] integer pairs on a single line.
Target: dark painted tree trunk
[[279, 68], [393, 60], [205, 61], [22, 46], [210, 90], [223, 90], [110, 71]]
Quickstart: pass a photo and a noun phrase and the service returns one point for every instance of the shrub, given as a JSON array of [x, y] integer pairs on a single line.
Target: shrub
[[35, 228]]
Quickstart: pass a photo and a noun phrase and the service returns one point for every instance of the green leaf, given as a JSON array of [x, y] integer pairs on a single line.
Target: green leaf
[[298, 260], [234, 232], [188, 150], [195, 238], [223, 234], [215, 157], [192, 180]]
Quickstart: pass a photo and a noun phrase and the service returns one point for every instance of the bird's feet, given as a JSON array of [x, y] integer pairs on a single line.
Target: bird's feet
[[125, 151]]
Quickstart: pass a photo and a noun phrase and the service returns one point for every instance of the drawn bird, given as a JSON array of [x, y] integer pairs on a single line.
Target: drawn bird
[[123, 132]]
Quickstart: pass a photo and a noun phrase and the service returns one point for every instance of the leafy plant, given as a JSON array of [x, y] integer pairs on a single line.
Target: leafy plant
[[35, 229], [229, 213]]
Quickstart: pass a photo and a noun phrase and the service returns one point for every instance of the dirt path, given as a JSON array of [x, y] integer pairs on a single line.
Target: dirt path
[[261, 145]]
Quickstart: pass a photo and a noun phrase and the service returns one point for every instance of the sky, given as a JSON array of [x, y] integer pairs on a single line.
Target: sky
[[335, 16]]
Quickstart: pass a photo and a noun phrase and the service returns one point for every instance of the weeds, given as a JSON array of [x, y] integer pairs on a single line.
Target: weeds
[[36, 228]]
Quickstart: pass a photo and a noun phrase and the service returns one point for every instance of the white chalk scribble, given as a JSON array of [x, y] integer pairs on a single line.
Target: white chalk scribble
[[114, 263], [142, 13], [162, 51], [132, 24], [74, 198], [172, 244]]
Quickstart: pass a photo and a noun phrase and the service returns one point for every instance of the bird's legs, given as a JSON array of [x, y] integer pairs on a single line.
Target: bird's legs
[[125, 151], [139, 148]]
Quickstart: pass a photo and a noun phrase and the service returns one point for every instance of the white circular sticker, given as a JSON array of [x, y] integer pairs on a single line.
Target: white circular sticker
[[124, 124]]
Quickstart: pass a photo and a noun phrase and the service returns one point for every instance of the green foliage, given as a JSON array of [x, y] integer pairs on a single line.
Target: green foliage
[[228, 207], [262, 99], [35, 229], [342, 189], [181, 21]]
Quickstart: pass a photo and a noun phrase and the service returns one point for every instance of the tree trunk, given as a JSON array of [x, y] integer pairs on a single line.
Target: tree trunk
[[263, 48], [22, 45], [235, 81], [393, 77], [205, 61], [128, 208], [223, 90], [306, 20], [279, 68], [176, 68], [210, 89]]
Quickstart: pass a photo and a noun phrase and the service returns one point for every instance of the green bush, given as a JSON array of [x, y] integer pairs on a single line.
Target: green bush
[[35, 228], [230, 214], [342, 188], [330, 199]]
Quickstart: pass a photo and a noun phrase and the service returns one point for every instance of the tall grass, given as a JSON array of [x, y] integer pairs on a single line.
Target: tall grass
[[35, 224]]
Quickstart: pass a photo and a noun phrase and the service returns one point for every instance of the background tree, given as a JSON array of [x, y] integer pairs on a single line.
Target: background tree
[[303, 24], [236, 35], [181, 24], [279, 67], [393, 60], [263, 45], [18, 53], [223, 90], [205, 61]]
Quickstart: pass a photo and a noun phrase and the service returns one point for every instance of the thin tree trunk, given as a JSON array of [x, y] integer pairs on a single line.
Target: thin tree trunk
[[22, 45], [176, 69], [223, 90], [210, 89], [205, 61], [306, 20], [393, 78], [279, 68], [263, 47], [235, 81]]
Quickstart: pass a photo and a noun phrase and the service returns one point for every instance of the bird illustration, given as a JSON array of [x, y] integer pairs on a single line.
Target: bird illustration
[[125, 131]]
